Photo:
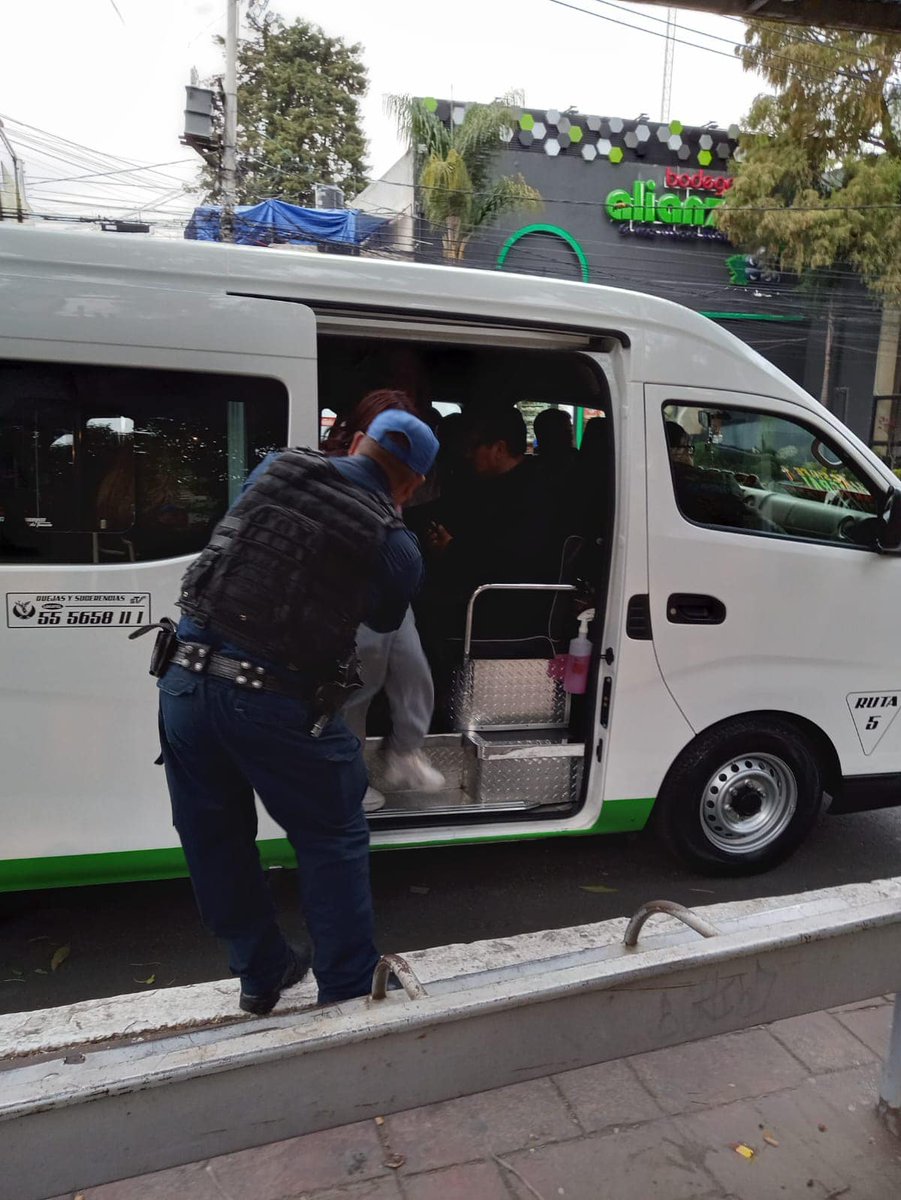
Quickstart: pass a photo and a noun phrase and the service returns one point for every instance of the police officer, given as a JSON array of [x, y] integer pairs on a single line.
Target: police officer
[[248, 699]]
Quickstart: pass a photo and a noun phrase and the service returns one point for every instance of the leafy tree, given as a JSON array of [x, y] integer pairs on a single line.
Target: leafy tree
[[820, 181], [460, 195], [298, 114]]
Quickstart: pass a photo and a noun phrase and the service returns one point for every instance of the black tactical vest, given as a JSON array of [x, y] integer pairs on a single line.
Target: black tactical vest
[[287, 571]]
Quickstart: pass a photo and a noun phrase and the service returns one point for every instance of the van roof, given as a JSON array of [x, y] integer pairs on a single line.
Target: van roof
[[669, 343]]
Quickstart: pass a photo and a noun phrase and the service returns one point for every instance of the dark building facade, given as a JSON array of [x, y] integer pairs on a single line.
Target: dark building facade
[[632, 204]]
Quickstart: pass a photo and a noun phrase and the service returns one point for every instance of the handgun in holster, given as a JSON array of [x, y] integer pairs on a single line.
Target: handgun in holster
[[331, 697]]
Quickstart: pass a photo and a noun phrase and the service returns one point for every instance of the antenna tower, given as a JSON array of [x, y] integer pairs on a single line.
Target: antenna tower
[[668, 55]]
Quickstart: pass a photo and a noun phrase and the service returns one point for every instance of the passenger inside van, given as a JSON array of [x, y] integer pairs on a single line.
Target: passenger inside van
[[554, 439], [393, 661], [503, 532], [706, 496], [593, 464], [557, 462]]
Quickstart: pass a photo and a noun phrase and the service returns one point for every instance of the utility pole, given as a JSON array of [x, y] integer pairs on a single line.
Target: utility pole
[[668, 54], [17, 178], [230, 132]]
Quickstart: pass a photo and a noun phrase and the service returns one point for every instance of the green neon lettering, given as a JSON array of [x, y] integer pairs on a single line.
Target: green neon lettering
[[638, 200], [694, 211], [669, 209], [649, 198], [619, 205], [642, 205]]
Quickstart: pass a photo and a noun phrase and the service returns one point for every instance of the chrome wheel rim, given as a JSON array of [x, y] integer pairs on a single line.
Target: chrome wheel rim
[[748, 803]]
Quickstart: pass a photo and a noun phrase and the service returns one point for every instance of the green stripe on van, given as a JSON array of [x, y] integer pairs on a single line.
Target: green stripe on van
[[129, 866]]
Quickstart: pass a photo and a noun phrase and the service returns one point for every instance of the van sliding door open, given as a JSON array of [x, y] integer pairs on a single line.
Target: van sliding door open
[[524, 555]]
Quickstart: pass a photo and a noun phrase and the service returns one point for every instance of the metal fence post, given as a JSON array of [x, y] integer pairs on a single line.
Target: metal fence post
[[890, 1092]]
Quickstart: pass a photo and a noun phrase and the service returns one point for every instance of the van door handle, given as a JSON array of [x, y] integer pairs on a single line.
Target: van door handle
[[688, 608]]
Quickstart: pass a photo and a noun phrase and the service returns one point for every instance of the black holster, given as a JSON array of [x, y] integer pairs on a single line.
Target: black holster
[[163, 647], [331, 697]]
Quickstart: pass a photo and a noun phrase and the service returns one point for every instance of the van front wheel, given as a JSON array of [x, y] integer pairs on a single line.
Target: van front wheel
[[741, 798]]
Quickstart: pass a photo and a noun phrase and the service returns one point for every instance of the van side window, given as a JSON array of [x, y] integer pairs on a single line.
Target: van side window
[[743, 470], [116, 464]]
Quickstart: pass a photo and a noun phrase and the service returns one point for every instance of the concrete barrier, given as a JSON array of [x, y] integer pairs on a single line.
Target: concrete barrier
[[135, 1084]]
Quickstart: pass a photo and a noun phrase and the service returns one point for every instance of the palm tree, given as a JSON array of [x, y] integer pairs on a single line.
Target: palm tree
[[459, 194]]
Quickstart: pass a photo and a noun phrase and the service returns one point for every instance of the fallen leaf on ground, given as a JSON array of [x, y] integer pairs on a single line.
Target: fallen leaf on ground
[[60, 954], [394, 1161], [597, 888], [821, 1127], [770, 1140], [17, 971], [380, 1120], [42, 937], [419, 891], [743, 1150], [149, 979], [12, 979], [40, 971]]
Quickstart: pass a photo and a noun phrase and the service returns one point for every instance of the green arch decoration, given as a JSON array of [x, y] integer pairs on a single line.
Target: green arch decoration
[[557, 232]]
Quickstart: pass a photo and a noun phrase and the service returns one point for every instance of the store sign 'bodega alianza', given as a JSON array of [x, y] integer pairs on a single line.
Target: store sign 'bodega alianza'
[[643, 205]]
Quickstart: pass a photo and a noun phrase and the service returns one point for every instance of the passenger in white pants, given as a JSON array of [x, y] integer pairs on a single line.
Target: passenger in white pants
[[396, 662], [393, 661]]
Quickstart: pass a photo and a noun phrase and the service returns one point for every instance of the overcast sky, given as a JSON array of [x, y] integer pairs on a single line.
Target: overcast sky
[[110, 75]]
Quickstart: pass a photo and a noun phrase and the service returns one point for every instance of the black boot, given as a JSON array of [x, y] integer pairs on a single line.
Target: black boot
[[260, 1003]]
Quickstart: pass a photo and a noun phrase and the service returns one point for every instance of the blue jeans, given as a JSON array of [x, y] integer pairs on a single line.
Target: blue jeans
[[221, 744]]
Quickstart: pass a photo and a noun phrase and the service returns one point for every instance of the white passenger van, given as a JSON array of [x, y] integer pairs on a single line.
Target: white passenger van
[[735, 540]]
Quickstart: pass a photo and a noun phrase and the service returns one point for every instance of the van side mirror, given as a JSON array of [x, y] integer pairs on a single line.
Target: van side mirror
[[889, 537], [825, 455]]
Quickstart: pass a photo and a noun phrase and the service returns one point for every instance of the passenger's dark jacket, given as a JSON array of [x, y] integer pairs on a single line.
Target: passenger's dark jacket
[[504, 532]]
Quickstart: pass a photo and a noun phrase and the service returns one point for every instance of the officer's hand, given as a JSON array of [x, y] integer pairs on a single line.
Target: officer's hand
[[438, 537]]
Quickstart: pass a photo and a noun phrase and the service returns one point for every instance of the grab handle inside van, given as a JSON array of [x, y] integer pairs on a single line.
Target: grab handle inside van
[[505, 587]]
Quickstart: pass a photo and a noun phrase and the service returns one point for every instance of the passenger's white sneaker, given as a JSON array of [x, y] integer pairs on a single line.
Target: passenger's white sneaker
[[411, 772], [373, 800]]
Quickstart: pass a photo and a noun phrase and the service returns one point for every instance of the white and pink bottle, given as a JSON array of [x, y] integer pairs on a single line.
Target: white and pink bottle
[[575, 681]]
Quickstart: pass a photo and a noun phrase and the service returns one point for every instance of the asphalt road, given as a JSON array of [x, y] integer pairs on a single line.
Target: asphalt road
[[126, 937]]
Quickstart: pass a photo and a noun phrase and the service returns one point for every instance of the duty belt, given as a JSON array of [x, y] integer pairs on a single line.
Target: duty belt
[[201, 659]]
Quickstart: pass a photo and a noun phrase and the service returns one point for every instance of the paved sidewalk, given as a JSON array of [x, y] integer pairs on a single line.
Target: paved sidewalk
[[799, 1095]]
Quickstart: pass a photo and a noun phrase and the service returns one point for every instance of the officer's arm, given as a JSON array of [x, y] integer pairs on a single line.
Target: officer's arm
[[258, 470], [396, 582]]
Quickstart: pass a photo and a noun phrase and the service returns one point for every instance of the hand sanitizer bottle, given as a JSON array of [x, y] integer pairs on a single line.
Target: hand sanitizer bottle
[[575, 680]]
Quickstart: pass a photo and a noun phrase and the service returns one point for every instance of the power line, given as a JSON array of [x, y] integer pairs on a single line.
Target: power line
[[785, 32], [732, 208], [42, 152], [642, 29], [100, 157], [684, 42], [118, 171], [646, 16]]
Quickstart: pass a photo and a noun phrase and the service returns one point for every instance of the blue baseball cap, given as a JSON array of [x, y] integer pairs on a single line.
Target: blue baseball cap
[[406, 437]]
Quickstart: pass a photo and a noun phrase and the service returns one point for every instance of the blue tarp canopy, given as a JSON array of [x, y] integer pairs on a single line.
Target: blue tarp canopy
[[272, 222]]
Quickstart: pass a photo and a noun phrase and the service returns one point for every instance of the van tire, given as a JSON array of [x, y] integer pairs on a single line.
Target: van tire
[[741, 798]]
